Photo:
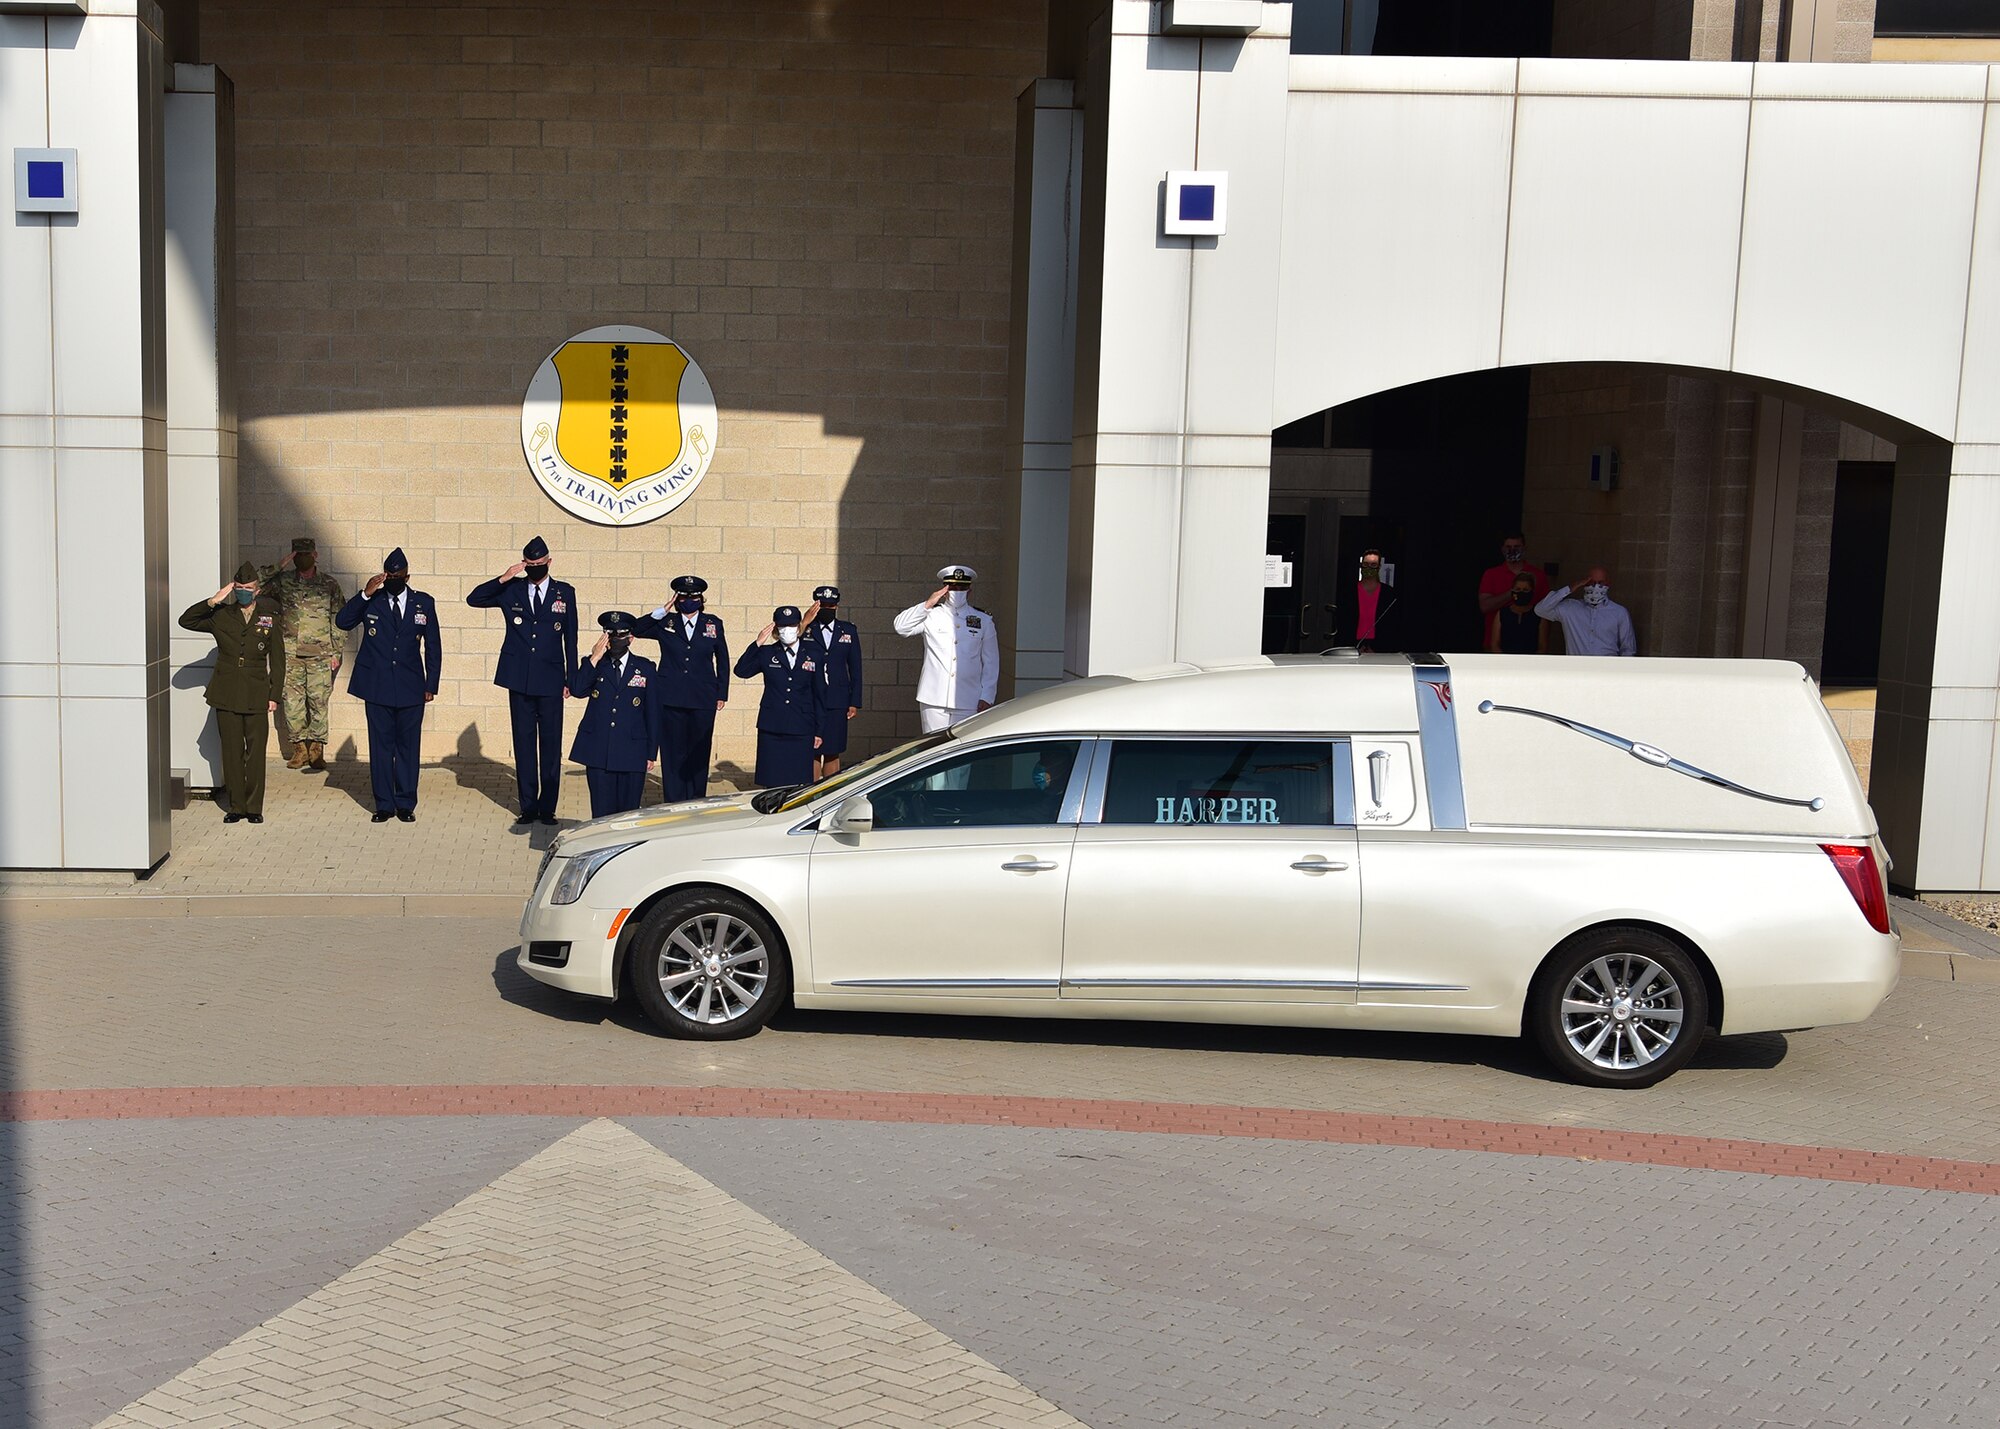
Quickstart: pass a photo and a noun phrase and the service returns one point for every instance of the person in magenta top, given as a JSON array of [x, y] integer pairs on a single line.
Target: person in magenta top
[[1496, 586], [1372, 623]]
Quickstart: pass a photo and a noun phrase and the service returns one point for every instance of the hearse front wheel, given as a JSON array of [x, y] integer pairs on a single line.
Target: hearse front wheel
[[1619, 1007], [709, 966]]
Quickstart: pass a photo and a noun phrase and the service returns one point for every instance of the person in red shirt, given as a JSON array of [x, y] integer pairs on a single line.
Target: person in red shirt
[[1496, 587], [1371, 622]]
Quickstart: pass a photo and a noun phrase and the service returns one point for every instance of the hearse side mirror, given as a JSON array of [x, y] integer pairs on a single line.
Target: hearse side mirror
[[856, 816]]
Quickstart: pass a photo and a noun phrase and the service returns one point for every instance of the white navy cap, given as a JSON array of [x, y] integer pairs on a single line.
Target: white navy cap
[[959, 574]]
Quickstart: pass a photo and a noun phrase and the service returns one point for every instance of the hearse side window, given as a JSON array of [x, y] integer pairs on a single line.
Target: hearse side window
[[1220, 782], [985, 788]]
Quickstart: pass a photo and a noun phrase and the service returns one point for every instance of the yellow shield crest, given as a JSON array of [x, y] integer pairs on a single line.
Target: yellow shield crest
[[620, 419]]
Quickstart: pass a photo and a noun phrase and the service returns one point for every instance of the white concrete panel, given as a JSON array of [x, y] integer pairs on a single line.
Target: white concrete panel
[[30, 681], [24, 239], [31, 792], [1395, 243], [1957, 778], [98, 284], [194, 528], [1221, 588], [1860, 299], [1137, 529], [27, 551], [1979, 383], [1669, 78], [1402, 74], [1623, 229], [1968, 607], [105, 783], [101, 557], [104, 682], [1234, 299], [1981, 704], [1142, 354], [1919, 82]]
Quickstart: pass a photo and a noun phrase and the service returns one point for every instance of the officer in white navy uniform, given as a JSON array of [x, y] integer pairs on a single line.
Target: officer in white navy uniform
[[837, 645], [789, 716], [961, 673], [537, 658], [694, 685], [620, 732]]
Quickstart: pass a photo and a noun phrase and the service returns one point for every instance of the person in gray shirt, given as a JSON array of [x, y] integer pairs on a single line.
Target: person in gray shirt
[[1593, 623]]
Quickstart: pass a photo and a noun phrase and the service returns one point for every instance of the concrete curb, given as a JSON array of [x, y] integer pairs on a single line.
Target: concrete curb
[[1975, 942], [264, 905], [1951, 967]]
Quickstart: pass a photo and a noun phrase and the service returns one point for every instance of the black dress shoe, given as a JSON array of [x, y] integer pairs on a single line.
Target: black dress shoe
[[549, 819], [407, 816], [255, 818], [232, 818], [524, 817], [380, 816]]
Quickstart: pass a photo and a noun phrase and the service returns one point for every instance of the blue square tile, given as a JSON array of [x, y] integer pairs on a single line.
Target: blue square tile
[[1197, 203], [45, 178]]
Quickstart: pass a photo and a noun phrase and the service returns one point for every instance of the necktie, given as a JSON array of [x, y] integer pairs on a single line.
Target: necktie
[[534, 600]]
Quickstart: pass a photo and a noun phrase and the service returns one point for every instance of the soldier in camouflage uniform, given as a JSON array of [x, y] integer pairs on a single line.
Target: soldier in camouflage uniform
[[309, 599]]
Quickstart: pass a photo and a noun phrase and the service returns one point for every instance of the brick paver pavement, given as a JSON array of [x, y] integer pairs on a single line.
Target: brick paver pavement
[[598, 1283]]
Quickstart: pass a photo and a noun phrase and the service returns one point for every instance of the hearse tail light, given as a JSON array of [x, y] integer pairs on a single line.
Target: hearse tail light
[[1856, 865]]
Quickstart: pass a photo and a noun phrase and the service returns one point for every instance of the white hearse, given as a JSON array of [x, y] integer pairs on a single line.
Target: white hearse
[[1610, 857]]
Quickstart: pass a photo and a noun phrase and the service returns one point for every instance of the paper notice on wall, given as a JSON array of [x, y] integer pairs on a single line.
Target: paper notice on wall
[[1277, 571]]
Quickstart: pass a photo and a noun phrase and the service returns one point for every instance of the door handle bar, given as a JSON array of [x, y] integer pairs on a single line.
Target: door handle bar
[[1319, 865], [1028, 865]]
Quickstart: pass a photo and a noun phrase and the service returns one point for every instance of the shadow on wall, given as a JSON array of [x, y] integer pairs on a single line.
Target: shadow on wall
[[823, 221]]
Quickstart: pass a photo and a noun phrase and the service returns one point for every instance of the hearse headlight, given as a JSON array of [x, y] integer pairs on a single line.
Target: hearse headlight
[[578, 871]]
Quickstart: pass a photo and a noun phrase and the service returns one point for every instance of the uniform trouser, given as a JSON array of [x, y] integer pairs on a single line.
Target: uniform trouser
[[613, 791], [245, 740], [937, 717], [538, 722], [687, 741], [394, 732], [308, 687]]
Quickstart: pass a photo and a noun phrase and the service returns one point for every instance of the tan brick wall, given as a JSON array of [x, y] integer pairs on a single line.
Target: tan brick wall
[[813, 198]]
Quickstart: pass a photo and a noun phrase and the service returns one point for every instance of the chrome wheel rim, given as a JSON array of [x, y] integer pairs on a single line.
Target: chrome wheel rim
[[713, 968], [1622, 1011]]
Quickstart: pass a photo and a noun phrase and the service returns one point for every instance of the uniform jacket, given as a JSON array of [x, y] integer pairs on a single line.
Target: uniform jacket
[[621, 714], [842, 662], [793, 689], [693, 674], [309, 604], [249, 654], [397, 664], [538, 653], [961, 654]]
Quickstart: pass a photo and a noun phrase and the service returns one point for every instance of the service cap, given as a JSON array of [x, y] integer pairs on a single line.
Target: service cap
[[689, 585], [958, 575], [827, 594], [536, 550], [395, 561], [246, 574], [615, 620], [785, 615]]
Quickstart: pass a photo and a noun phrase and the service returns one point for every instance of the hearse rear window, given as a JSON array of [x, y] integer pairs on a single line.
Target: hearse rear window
[[1220, 782]]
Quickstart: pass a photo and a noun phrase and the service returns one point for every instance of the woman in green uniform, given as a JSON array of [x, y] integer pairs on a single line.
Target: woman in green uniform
[[249, 677]]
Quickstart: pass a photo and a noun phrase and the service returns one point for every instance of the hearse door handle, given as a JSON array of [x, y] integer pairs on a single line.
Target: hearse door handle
[[1025, 864], [1319, 865]]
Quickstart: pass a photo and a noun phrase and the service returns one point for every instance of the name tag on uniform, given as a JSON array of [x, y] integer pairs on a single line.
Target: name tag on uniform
[[423, 619]]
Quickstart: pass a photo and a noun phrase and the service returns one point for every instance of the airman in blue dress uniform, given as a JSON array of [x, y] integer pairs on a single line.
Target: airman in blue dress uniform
[[395, 676], [789, 717], [620, 732], [836, 644], [694, 685], [537, 661]]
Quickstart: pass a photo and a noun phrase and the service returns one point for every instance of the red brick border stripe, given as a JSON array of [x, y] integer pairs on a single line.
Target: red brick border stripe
[[1702, 1153]]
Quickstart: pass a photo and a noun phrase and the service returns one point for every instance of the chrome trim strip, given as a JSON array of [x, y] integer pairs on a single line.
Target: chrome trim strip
[[1437, 732], [932, 983], [1264, 984], [1653, 755], [1343, 784]]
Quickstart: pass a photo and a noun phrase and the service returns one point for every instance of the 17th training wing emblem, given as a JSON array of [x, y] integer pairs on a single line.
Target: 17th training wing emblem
[[618, 425]]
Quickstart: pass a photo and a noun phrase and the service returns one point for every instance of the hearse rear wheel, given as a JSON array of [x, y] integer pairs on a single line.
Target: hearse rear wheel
[[1619, 1007], [708, 966]]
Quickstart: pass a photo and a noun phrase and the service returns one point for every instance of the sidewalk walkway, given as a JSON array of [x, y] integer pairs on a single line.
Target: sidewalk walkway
[[316, 842]]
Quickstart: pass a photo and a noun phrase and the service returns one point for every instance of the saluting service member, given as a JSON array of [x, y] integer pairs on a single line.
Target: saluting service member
[[537, 661], [961, 673], [620, 732], [243, 689], [788, 718], [395, 676], [309, 598], [836, 644], [694, 686]]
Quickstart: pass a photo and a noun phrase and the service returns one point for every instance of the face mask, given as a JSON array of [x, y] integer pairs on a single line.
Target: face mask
[[789, 634], [688, 604], [1596, 594], [537, 573], [620, 644], [246, 597], [1513, 554], [395, 585], [827, 615], [1371, 573], [954, 597], [1041, 778]]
